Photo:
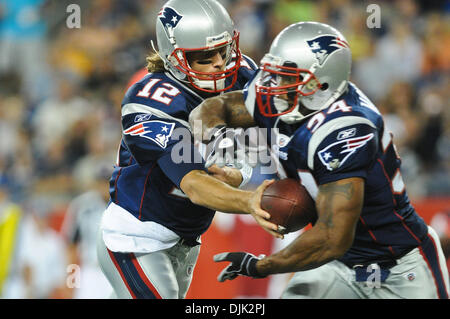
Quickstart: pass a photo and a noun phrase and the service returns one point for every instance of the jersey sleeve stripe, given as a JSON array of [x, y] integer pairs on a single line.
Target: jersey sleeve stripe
[[333, 125], [131, 108], [250, 61]]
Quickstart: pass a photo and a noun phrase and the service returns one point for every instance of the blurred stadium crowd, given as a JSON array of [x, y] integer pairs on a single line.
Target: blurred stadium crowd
[[60, 95]]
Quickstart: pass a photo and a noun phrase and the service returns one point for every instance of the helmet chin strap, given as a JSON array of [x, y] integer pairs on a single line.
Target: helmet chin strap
[[296, 116], [208, 84], [154, 49], [289, 118]]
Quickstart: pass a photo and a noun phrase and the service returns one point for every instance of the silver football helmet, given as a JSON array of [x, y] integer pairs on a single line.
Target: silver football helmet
[[308, 66], [183, 27]]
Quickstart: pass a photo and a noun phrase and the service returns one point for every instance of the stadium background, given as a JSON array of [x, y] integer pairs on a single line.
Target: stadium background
[[60, 94]]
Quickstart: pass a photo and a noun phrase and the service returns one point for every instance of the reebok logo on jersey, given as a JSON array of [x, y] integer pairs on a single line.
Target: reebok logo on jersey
[[156, 131], [142, 117], [334, 155], [346, 134]]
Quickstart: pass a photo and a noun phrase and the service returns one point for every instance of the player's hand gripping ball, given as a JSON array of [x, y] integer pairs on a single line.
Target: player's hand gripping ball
[[289, 205]]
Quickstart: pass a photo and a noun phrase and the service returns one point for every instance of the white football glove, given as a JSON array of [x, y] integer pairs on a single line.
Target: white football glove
[[225, 149]]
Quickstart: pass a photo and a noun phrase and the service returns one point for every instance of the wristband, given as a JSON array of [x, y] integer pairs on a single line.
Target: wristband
[[246, 172], [251, 267]]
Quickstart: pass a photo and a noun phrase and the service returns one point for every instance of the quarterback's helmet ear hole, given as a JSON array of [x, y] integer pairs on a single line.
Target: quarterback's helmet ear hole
[[324, 86]]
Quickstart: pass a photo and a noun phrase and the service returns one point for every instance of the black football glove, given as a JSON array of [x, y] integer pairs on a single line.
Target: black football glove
[[242, 264]]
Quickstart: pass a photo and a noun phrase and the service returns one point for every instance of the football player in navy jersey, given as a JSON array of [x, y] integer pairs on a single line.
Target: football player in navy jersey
[[368, 240], [162, 198]]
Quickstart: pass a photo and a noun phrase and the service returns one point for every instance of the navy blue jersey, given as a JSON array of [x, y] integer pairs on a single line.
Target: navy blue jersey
[[151, 160], [349, 139]]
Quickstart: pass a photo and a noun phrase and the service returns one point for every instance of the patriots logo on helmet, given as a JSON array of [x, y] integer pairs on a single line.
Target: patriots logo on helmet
[[334, 155], [322, 46], [169, 17], [157, 131]]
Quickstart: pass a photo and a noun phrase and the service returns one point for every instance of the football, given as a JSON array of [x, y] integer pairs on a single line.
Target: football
[[289, 205]]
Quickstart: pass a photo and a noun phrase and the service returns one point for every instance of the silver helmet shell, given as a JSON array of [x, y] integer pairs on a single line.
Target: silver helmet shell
[[320, 57], [197, 25]]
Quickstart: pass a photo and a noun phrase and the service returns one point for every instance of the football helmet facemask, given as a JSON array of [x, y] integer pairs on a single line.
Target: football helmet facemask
[[186, 27], [307, 68]]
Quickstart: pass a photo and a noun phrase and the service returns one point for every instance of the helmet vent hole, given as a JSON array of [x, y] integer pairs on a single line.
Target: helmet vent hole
[[324, 86]]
